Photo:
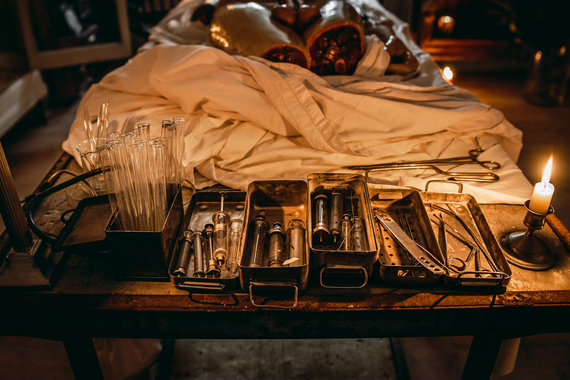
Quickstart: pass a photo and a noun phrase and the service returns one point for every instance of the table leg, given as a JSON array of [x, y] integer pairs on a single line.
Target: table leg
[[482, 356], [83, 358]]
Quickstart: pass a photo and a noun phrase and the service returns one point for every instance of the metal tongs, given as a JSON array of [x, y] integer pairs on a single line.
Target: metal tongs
[[472, 158]]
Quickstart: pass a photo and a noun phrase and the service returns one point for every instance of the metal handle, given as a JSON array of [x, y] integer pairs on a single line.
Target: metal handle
[[343, 267], [274, 285], [459, 184], [496, 279], [201, 285]]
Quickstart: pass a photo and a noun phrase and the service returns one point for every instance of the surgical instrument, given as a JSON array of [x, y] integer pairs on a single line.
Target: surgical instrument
[[236, 228], [475, 238], [184, 255], [198, 241], [442, 240], [296, 240], [258, 249], [212, 266], [469, 176], [276, 245], [221, 221], [425, 259], [346, 228], [472, 158], [321, 233], [358, 236], [336, 214]]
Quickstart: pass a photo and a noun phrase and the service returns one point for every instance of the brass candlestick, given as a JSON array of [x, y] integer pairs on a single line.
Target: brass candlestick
[[526, 250]]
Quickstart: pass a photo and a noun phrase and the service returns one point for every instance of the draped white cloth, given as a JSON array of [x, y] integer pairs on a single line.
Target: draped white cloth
[[251, 119]]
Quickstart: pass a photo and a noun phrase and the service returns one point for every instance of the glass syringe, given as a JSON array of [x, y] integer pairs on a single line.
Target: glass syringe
[[221, 221]]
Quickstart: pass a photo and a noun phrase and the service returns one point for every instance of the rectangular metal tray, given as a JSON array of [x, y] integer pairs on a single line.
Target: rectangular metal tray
[[335, 267], [200, 211], [145, 255], [278, 202], [84, 232], [487, 267], [406, 208]]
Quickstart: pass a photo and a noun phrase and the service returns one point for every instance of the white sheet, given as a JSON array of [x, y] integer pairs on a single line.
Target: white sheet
[[250, 119]]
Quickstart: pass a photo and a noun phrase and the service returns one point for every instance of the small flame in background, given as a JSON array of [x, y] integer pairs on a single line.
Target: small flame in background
[[547, 171], [446, 24], [447, 74]]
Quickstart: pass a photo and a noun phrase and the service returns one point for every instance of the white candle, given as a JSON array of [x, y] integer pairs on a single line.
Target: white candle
[[543, 191]]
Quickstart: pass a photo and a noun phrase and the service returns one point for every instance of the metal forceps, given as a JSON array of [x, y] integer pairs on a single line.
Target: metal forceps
[[472, 158]]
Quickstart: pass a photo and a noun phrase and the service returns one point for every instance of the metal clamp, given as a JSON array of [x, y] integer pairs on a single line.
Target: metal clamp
[[343, 267], [274, 285]]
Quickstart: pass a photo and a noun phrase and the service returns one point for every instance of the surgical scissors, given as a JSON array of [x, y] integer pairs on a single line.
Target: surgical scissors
[[472, 158]]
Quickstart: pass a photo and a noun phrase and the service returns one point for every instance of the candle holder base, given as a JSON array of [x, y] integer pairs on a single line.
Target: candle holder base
[[526, 250]]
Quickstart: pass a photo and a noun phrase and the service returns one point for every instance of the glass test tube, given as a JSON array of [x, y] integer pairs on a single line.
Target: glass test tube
[[142, 131], [168, 133], [180, 133]]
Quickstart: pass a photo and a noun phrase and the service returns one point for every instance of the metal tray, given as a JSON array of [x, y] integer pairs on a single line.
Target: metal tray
[[487, 266], [335, 266], [84, 231], [281, 202], [203, 205], [145, 255], [406, 208]]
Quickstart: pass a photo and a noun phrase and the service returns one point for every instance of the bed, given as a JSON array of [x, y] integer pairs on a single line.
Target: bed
[[253, 119]]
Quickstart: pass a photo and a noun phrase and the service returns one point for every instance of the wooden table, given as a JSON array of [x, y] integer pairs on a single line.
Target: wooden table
[[87, 301]]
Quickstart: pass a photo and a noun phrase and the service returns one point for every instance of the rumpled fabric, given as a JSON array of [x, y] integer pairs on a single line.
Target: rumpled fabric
[[252, 119]]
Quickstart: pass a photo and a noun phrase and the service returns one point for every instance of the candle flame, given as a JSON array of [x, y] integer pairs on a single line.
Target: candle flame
[[447, 73], [547, 171], [446, 19]]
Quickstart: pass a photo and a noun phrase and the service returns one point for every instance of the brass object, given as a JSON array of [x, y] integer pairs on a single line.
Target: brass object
[[524, 248], [335, 41], [249, 29]]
